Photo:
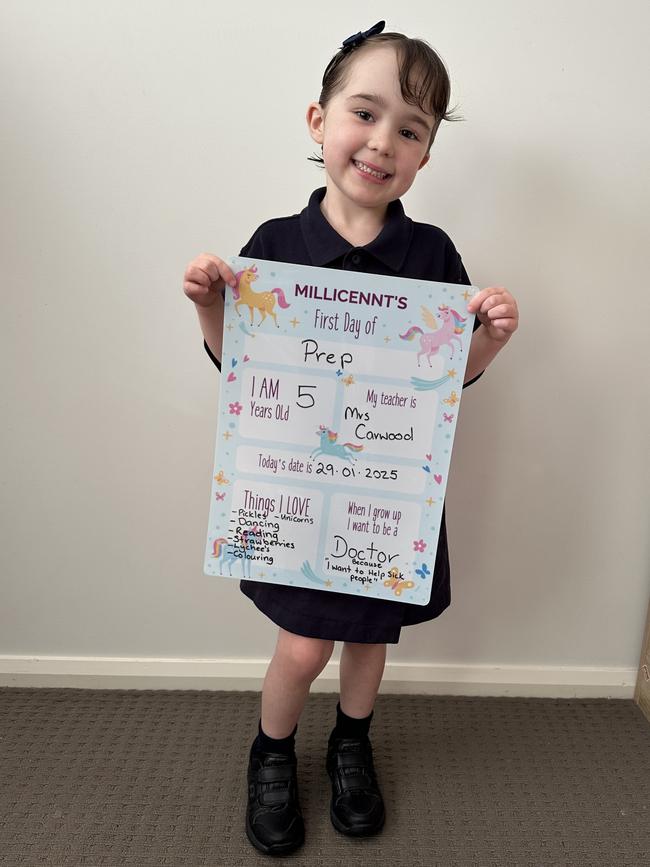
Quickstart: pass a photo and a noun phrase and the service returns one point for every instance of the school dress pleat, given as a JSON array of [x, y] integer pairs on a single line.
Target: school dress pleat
[[403, 248]]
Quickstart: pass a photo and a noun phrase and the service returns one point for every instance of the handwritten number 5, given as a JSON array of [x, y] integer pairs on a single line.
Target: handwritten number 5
[[309, 396]]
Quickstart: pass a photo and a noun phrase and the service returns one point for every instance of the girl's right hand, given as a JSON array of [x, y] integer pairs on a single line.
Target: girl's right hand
[[205, 278]]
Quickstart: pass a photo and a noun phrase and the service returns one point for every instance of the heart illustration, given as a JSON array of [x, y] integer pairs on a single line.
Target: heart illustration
[[247, 358], [437, 477], [426, 469], [234, 362], [428, 457], [231, 377]]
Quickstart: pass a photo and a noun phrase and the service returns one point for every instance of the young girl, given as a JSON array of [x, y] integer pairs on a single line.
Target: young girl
[[382, 100]]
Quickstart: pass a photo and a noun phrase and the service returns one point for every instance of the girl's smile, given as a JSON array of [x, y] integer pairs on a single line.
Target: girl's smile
[[371, 172]]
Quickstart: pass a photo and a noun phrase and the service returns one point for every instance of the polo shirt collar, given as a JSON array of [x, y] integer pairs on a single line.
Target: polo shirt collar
[[326, 245]]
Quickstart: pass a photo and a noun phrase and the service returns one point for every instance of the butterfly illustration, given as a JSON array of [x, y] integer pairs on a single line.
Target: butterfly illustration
[[348, 380], [221, 496], [452, 400], [398, 586], [423, 572], [448, 417], [221, 479], [396, 582]]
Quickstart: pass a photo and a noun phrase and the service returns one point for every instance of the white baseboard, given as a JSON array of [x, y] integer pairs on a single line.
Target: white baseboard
[[248, 674]]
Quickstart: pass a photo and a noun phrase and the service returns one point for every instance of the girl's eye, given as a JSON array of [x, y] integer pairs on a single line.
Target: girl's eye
[[361, 112], [410, 134]]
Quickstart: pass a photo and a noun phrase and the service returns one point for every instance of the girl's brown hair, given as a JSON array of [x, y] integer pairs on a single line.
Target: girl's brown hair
[[423, 78]]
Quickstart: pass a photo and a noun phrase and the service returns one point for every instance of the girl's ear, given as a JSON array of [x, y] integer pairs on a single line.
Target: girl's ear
[[425, 160], [315, 117]]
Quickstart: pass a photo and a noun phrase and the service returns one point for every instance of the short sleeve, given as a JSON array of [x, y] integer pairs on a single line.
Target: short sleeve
[[463, 277], [212, 356]]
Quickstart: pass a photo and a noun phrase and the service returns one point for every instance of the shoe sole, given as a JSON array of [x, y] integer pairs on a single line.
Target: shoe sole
[[276, 848], [358, 831]]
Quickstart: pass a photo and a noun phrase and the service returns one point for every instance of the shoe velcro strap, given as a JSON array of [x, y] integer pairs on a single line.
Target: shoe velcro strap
[[275, 774], [275, 796], [354, 781], [349, 760]]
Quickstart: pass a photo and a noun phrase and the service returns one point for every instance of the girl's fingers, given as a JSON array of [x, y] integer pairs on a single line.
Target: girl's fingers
[[226, 273], [201, 276], [215, 267], [501, 311], [476, 303], [207, 269], [508, 325], [499, 307], [496, 299]]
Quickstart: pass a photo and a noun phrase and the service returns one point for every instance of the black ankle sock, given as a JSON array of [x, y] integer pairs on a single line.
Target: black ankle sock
[[350, 727], [266, 744]]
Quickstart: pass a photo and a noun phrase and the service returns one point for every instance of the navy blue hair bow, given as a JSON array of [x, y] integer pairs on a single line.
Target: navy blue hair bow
[[356, 40]]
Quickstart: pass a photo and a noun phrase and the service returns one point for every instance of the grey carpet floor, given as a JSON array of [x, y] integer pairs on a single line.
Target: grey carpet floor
[[158, 777]]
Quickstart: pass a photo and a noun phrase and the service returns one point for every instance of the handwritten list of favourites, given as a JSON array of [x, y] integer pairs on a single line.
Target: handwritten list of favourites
[[338, 405]]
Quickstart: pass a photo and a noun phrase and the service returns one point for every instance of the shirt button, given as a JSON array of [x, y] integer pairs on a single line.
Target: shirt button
[[356, 259]]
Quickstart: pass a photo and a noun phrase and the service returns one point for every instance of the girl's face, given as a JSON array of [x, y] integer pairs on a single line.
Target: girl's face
[[373, 141]]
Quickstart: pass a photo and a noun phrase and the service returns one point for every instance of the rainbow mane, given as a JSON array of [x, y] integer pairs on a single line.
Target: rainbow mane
[[459, 322]]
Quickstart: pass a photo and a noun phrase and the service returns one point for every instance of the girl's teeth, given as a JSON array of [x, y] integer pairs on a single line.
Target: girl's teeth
[[370, 171]]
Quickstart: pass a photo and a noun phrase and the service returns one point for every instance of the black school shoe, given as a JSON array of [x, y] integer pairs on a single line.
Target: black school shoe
[[274, 822], [357, 807]]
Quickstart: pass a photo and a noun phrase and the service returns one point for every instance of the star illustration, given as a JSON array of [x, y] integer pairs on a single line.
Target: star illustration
[[294, 321], [262, 574], [366, 587], [466, 295], [451, 373], [386, 339], [227, 435], [429, 502], [328, 583], [229, 326]]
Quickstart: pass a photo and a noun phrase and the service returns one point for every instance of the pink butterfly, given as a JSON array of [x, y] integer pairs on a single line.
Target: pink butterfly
[[448, 417], [220, 496]]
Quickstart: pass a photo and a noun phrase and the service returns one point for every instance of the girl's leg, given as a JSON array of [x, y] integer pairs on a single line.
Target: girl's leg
[[296, 663], [357, 808], [361, 671]]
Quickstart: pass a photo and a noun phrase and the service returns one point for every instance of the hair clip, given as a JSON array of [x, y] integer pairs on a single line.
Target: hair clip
[[356, 40]]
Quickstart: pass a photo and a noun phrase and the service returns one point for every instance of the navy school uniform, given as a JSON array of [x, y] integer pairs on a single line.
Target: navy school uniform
[[403, 248]]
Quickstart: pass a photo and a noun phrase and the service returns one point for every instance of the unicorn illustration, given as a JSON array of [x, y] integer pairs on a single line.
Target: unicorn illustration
[[230, 552], [329, 446], [453, 324], [263, 301]]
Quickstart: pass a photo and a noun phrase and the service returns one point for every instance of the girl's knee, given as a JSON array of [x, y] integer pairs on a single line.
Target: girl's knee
[[357, 647], [310, 655]]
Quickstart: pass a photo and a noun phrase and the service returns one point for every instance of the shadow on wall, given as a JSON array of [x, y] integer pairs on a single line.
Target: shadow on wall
[[546, 435]]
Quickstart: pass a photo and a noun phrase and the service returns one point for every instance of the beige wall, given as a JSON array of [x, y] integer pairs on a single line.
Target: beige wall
[[136, 135]]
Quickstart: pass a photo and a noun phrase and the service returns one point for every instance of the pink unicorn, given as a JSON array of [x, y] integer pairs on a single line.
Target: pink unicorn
[[452, 326]]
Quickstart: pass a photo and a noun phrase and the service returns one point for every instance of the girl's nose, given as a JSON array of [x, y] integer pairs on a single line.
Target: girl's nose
[[381, 141]]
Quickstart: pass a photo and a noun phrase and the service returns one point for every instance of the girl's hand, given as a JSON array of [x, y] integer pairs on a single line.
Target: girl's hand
[[205, 277], [497, 311]]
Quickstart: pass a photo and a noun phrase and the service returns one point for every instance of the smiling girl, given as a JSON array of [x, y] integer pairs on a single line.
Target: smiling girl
[[383, 98]]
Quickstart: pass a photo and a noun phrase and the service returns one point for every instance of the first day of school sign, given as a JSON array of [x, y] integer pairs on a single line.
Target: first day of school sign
[[337, 411]]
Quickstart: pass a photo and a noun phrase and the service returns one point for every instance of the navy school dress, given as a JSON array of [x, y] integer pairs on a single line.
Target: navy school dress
[[403, 248]]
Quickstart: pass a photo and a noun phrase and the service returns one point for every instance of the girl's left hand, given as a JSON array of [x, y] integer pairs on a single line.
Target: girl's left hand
[[497, 311]]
